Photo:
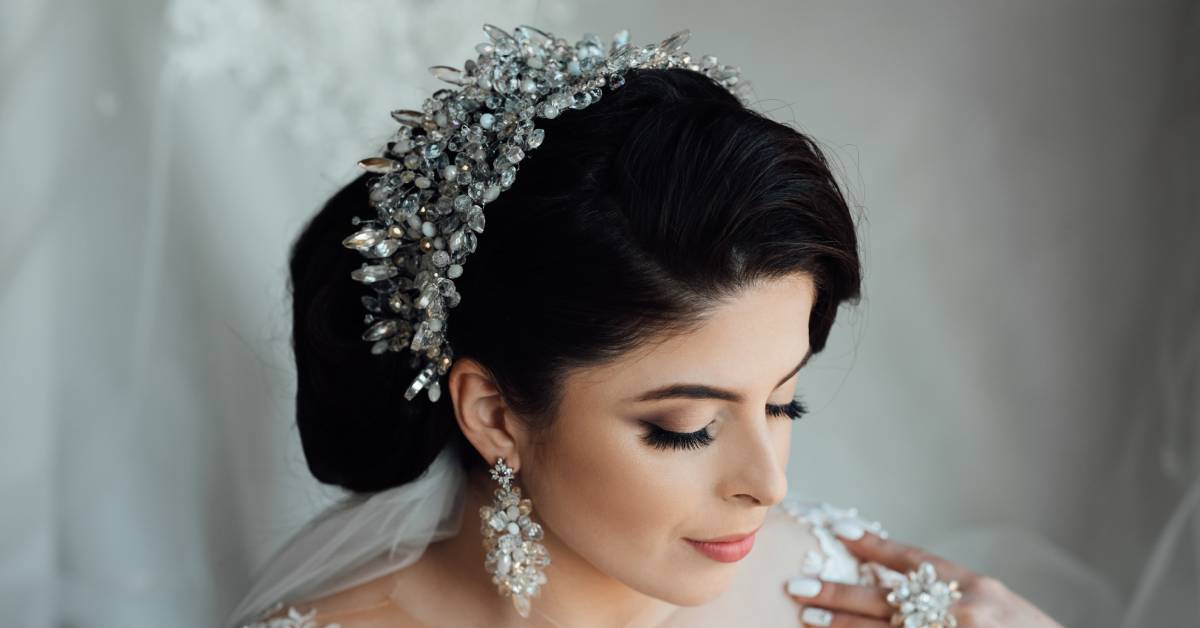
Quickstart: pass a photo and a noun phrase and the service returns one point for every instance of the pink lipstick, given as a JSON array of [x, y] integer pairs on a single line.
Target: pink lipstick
[[727, 549]]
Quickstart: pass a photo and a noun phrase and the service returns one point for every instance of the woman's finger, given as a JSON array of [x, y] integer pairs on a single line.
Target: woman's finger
[[866, 600], [898, 556], [817, 616]]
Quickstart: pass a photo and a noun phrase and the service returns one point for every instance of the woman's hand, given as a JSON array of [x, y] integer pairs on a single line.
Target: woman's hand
[[986, 602]]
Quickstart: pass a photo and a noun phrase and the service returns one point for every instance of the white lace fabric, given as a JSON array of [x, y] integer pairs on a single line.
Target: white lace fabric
[[293, 619], [833, 562]]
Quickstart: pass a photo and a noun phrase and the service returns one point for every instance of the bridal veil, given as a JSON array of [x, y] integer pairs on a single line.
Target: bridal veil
[[360, 538]]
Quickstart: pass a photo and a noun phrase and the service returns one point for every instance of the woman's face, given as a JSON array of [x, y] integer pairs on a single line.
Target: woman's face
[[604, 489]]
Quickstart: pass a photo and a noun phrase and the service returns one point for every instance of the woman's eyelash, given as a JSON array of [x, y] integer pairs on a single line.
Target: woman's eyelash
[[794, 409], [660, 438]]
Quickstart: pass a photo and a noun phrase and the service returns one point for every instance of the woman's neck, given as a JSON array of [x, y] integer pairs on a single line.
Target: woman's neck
[[576, 594]]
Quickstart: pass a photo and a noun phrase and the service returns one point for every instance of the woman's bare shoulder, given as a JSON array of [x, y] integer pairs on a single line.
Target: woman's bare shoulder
[[367, 605], [796, 539], [822, 522]]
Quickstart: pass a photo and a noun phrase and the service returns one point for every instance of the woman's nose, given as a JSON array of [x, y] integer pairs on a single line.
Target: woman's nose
[[759, 465]]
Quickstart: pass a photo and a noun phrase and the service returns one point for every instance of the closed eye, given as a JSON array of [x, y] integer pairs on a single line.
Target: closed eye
[[660, 438], [794, 409]]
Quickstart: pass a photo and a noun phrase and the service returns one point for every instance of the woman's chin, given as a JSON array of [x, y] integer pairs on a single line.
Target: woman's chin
[[698, 587]]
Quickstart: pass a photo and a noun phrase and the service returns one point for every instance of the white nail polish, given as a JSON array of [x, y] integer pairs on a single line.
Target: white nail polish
[[849, 529], [816, 616], [804, 587]]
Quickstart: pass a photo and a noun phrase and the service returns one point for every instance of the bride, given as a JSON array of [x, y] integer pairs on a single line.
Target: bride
[[611, 443]]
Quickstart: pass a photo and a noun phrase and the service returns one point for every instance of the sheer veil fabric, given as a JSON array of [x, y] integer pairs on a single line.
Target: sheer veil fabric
[[360, 538]]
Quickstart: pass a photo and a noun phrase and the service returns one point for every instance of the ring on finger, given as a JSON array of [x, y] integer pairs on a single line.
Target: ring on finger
[[923, 601]]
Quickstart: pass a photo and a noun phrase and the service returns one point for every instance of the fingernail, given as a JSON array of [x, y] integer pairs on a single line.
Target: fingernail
[[804, 587], [816, 616], [849, 529]]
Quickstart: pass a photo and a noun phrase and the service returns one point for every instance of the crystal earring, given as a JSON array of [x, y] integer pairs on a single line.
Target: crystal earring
[[515, 554]]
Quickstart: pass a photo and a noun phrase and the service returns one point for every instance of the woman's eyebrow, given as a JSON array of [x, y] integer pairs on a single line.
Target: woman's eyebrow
[[702, 391]]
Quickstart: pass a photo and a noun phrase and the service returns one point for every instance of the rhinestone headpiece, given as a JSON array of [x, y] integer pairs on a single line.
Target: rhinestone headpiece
[[458, 153]]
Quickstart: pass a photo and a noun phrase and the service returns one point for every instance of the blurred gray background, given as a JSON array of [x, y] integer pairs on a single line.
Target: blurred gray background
[[1018, 390]]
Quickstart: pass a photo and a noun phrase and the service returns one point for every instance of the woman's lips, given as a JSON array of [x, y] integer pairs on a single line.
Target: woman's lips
[[725, 552]]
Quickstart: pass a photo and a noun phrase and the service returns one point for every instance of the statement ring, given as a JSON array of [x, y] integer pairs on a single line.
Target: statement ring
[[923, 601]]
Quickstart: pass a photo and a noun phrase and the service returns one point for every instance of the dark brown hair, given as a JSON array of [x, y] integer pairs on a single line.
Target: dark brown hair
[[635, 215]]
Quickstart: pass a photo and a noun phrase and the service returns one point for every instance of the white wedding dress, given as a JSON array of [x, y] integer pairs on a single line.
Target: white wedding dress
[[356, 542]]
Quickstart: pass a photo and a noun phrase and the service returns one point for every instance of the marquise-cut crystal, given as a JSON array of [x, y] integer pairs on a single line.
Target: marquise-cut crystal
[[384, 248], [381, 330], [380, 165], [676, 40], [457, 152], [364, 240], [496, 33], [371, 274], [535, 36], [408, 117], [521, 603]]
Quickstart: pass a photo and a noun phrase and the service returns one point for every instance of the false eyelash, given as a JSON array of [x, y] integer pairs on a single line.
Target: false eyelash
[[794, 409], [660, 438]]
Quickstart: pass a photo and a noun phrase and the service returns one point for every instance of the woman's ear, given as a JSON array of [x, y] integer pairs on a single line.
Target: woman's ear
[[482, 414]]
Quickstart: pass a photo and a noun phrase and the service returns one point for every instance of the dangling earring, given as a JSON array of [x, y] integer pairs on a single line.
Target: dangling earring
[[515, 556]]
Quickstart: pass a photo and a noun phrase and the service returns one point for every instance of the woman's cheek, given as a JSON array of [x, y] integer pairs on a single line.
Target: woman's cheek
[[609, 495], [578, 476]]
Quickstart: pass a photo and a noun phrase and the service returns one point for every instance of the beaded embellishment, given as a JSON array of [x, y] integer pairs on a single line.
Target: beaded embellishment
[[515, 555], [458, 153]]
